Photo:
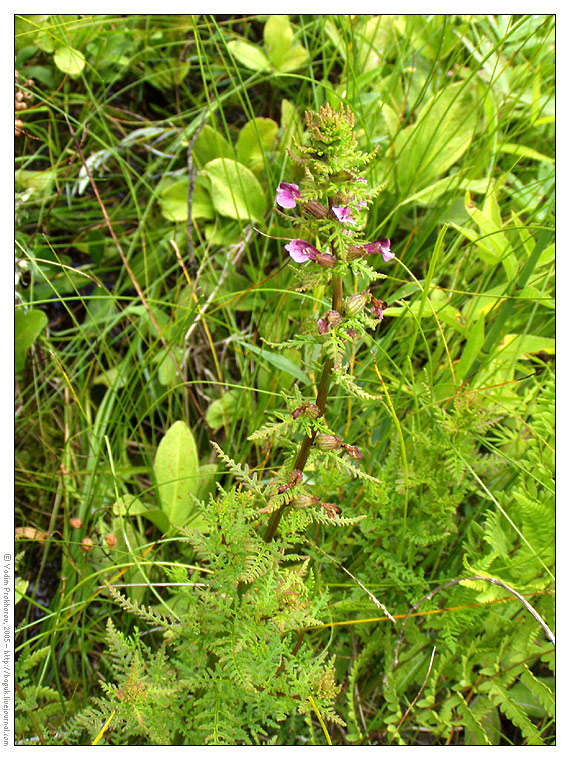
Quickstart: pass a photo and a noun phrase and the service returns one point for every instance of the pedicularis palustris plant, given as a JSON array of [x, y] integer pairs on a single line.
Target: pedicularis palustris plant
[[330, 205]]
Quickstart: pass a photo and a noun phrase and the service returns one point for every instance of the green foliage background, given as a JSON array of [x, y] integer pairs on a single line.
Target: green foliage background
[[141, 337]]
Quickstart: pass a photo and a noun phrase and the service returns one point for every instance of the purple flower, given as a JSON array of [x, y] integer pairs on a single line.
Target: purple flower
[[287, 195], [301, 251], [343, 214], [381, 246]]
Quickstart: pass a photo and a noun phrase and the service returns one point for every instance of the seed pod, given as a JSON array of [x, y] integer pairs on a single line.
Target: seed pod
[[355, 252], [354, 304], [326, 260], [76, 522], [326, 442], [316, 209], [302, 501], [111, 540], [86, 544]]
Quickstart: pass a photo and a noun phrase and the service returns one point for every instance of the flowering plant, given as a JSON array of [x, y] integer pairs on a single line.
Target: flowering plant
[[330, 204]]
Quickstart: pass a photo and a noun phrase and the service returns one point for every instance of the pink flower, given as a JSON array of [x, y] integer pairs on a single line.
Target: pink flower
[[301, 251], [381, 246], [343, 214], [287, 195]]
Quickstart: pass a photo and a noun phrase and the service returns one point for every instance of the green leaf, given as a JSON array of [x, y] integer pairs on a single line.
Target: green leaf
[[42, 182], [254, 139], [278, 361], [525, 152], [158, 518], [176, 470], [278, 38], [222, 411], [173, 201], [234, 190], [290, 122], [249, 55], [27, 27], [20, 588], [475, 340], [27, 327], [69, 60], [211, 144], [441, 135], [207, 484], [514, 347], [296, 57]]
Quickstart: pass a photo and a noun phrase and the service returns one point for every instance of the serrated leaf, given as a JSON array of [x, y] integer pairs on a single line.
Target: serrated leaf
[[177, 473], [27, 327], [234, 190], [69, 60], [249, 55]]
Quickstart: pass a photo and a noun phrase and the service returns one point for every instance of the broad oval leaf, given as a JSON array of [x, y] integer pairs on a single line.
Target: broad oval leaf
[[249, 55], [234, 190], [295, 58], [278, 38], [211, 144], [222, 411], [173, 201], [256, 137], [27, 327], [69, 60], [177, 473]]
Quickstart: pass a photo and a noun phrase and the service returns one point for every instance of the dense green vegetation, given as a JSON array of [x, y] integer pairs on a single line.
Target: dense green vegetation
[[168, 591]]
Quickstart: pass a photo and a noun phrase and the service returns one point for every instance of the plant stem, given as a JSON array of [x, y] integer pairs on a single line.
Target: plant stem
[[322, 394]]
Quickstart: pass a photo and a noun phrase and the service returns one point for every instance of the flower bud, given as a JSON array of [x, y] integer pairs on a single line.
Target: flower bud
[[86, 544], [354, 304], [326, 442], [111, 540], [76, 522]]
